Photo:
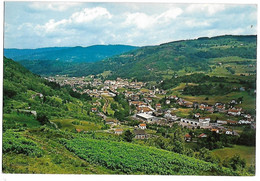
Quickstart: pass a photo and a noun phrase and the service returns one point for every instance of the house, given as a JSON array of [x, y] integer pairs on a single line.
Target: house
[[79, 130], [197, 115], [247, 116], [187, 137], [37, 95], [229, 132], [190, 122], [137, 103], [94, 109], [215, 130], [142, 126], [111, 122], [209, 109], [195, 104], [204, 122], [170, 117], [202, 135], [173, 97], [146, 117], [140, 134], [119, 131], [146, 110], [188, 104], [231, 122], [148, 100], [167, 102], [158, 106], [234, 112], [220, 108], [221, 122], [244, 122]]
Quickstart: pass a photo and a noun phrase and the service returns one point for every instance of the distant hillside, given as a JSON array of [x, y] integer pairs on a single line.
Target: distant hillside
[[156, 62], [68, 54], [166, 60]]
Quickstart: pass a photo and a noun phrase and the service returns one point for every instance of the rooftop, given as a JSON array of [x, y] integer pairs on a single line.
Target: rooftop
[[146, 116]]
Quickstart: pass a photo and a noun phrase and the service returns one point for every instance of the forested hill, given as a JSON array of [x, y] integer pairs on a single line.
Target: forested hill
[[158, 62], [68, 54], [27, 91], [181, 57]]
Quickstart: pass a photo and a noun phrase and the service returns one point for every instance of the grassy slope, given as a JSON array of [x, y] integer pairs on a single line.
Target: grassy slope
[[246, 152], [56, 159], [136, 159]]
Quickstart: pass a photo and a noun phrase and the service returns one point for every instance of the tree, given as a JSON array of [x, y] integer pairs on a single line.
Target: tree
[[113, 106], [128, 136], [42, 118], [119, 115], [235, 162]]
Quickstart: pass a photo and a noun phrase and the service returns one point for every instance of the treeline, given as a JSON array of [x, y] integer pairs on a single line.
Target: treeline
[[192, 78], [151, 62], [207, 89]]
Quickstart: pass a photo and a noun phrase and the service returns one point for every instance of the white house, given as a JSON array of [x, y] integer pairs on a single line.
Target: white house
[[142, 126]]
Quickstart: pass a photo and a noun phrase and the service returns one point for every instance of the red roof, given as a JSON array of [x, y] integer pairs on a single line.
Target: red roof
[[119, 130], [187, 136], [142, 124], [201, 135], [79, 130], [214, 130], [233, 110], [231, 122]]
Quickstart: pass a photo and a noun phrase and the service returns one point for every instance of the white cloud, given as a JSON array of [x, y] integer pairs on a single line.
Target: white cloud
[[115, 23], [143, 20], [170, 14], [85, 16], [53, 6], [208, 9], [90, 14], [140, 20], [197, 23]]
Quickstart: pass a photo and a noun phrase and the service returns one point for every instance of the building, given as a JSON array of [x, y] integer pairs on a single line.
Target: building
[[146, 117], [111, 122], [142, 126], [119, 131], [221, 122], [234, 112], [197, 115], [158, 106], [187, 137], [94, 109], [202, 135], [140, 134]]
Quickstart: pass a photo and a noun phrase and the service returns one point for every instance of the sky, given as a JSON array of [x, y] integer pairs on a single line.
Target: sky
[[67, 24]]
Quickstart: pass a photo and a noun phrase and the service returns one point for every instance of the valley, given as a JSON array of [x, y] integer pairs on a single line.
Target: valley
[[171, 109]]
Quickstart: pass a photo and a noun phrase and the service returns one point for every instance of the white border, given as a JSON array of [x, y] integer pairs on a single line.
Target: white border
[[44, 177]]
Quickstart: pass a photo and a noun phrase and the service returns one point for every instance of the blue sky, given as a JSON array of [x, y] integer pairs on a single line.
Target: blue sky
[[49, 24]]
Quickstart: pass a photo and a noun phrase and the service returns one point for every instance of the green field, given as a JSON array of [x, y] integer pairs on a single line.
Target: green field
[[246, 152], [72, 124], [130, 158]]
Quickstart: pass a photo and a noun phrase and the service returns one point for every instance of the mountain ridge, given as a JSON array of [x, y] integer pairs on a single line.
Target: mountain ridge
[[68, 54]]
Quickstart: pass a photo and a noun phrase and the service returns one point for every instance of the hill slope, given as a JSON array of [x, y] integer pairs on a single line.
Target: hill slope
[[156, 62], [151, 62], [68, 54], [35, 145]]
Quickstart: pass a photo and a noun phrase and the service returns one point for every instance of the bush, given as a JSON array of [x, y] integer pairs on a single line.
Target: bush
[[14, 142]]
